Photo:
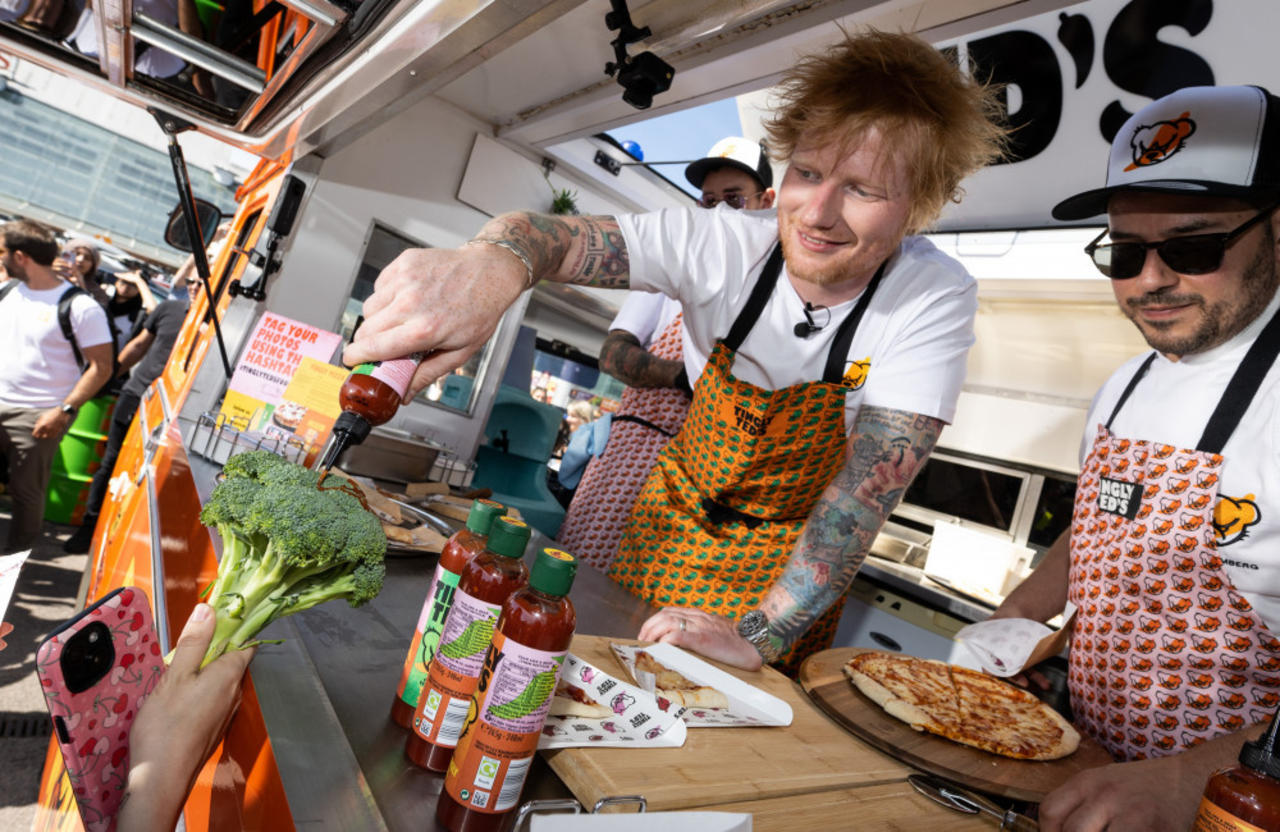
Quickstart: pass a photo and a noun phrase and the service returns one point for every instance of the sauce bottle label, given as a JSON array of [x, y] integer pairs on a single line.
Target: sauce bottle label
[[396, 373], [1211, 817], [452, 675], [427, 635], [504, 722]]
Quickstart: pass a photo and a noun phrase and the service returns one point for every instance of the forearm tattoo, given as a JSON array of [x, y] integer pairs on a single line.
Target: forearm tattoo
[[886, 449], [622, 357], [583, 250]]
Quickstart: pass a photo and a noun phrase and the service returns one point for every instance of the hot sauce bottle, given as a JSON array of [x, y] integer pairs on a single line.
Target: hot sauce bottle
[[1245, 798], [511, 700], [457, 553], [486, 584], [369, 397]]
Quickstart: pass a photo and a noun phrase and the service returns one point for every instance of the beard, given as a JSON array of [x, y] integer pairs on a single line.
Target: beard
[[857, 265], [1219, 322]]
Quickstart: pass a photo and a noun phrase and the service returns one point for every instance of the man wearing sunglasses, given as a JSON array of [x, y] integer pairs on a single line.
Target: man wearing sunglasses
[[1173, 558], [643, 349]]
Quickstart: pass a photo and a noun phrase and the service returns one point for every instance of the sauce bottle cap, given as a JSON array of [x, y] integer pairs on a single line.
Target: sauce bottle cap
[[1261, 754], [483, 513], [553, 572], [508, 537], [355, 426]]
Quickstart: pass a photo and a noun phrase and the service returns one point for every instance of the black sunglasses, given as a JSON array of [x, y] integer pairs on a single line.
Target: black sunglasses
[[1193, 254], [735, 201]]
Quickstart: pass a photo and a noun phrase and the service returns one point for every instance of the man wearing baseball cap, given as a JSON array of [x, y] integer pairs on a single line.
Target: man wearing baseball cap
[[1173, 558], [643, 350]]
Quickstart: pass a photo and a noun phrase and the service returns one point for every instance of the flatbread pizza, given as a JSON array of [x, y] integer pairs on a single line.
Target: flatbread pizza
[[674, 687], [963, 705], [571, 701]]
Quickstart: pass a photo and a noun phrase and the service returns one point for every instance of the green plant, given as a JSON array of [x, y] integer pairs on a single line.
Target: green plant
[[287, 545]]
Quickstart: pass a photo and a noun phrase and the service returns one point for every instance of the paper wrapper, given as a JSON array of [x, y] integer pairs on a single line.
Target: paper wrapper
[[10, 565], [1007, 646], [638, 721], [747, 705]]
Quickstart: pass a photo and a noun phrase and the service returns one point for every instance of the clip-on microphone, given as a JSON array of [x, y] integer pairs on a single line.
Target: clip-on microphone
[[807, 327]]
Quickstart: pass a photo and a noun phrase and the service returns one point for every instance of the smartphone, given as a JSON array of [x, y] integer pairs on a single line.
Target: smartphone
[[95, 671]]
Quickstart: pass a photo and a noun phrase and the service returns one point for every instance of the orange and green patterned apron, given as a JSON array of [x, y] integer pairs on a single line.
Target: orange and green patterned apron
[[721, 512], [1165, 653]]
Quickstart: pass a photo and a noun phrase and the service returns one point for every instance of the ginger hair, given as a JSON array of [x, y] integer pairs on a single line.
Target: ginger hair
[[944, 124]]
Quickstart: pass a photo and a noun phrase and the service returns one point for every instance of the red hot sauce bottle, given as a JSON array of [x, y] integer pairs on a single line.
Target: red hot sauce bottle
[[486, 584], [1245, 798], [458, 551], [369, 397], [510, 704]]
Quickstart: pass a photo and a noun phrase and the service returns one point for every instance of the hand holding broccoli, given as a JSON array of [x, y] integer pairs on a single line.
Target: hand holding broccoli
[[287, 545]]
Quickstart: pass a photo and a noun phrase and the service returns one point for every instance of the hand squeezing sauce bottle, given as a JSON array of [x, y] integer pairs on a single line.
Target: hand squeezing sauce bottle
[[369, 397], [458, 551], [486, 584], [1246, 797], [511, 700]]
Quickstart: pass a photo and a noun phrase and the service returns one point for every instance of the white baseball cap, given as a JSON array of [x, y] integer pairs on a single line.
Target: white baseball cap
[[1208, 141], [733, 152]]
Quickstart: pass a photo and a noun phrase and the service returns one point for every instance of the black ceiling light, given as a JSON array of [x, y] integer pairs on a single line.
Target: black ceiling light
[[643, 76]]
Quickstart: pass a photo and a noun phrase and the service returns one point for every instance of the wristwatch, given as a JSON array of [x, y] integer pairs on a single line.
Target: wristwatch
[[754, 627], [69, 409]]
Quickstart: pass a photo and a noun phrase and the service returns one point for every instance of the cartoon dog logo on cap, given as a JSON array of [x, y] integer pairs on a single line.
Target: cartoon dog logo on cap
[[1152, 144]]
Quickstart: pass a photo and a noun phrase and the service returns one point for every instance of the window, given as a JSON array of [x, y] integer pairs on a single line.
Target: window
[[970, 491]]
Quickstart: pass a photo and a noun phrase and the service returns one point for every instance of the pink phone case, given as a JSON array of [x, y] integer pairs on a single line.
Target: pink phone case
[[92, 726]]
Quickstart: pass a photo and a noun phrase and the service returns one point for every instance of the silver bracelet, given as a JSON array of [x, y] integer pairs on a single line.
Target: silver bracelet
[[530, 279]]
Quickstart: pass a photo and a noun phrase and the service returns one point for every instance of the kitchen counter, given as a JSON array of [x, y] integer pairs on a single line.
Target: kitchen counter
[[325, 695], [911, 582]]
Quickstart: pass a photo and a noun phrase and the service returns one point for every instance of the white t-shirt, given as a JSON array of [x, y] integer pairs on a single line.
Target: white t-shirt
[[645, 315], [39, 369], [917, 330], [1172, 405]]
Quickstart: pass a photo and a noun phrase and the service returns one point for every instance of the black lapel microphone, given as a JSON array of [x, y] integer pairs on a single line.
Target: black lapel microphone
[[807, 327]]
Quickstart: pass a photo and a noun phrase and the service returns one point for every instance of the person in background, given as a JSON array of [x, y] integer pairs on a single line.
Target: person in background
[[79, 267], [131, 301], [149, 351], [643, 350], [830, 342], [1173, 560], [41, 384]]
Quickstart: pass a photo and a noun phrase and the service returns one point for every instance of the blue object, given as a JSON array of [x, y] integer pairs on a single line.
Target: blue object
[[633, 148], [519, 438], [585, 442]]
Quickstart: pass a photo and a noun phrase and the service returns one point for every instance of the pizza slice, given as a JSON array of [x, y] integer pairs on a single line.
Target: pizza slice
[[571, 701], [674, 687], [1010, 721], [963, 705]]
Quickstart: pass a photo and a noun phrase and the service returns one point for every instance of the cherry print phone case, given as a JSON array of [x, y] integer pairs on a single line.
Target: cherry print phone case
[[95, 672]]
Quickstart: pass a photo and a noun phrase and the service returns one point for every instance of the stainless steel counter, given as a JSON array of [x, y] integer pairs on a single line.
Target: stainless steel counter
[[326, 696]]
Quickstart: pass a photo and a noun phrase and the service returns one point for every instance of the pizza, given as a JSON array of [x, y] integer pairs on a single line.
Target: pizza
[[674, 687], [571, 701], [963, 705]]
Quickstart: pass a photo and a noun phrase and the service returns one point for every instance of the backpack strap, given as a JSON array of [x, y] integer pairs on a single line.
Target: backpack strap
[[64, 321], [7, 288]]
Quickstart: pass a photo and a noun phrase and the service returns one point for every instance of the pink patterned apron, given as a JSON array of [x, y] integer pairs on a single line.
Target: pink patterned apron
[[602, 503], [1165, 653]]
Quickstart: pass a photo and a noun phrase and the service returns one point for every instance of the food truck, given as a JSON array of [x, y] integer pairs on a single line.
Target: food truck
[[387, 124]]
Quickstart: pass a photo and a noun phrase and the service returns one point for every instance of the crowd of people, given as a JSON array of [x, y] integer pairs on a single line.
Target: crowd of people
[[69, 335]]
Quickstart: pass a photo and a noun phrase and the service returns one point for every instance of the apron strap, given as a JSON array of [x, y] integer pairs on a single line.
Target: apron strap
[[756, 302], [1133, 382], [627, 417], [1242, 388], [839, 352]]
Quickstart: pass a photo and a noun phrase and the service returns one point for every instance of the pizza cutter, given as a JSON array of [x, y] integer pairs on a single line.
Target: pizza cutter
[[948, 794]]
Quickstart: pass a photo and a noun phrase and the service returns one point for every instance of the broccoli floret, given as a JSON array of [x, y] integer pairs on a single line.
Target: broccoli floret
[[287, 545]]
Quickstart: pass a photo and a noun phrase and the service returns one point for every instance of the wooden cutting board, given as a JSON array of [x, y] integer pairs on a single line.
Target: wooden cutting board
[[822, 676], [724, 765]]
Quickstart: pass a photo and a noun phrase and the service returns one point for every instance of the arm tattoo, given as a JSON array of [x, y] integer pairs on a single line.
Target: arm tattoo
[[583, 250], [886, 449], [622, 357]]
